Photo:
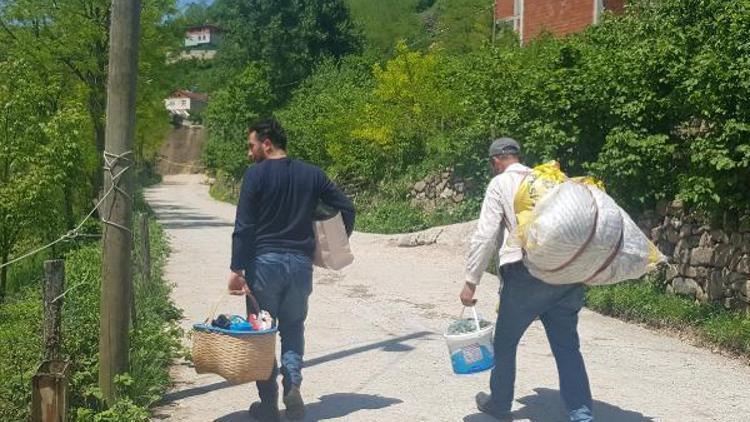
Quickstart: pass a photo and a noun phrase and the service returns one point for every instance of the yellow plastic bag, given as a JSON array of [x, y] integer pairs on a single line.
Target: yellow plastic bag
[[538, 185], [533, 188]]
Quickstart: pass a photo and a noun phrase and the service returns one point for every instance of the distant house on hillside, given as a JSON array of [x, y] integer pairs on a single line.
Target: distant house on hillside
[[201, 42], [560, 17], [186, 105]]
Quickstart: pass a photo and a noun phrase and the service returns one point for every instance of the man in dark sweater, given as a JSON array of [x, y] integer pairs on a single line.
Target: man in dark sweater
[[272, 250]]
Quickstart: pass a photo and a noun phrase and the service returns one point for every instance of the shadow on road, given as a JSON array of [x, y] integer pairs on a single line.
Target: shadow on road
[[391, 345], [546, 406], [329, 407], [192, 392], [176, 216], [196, 224]]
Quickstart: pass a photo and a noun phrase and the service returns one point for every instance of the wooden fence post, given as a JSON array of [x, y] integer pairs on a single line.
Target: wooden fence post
[[49, 402]]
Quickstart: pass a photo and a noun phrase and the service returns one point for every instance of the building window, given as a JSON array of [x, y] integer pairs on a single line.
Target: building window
[[183, 102]]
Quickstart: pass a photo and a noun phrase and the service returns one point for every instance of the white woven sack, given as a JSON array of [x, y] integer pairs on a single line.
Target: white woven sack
[[575, 230], [579, 234], [631, 261], [332, 244]]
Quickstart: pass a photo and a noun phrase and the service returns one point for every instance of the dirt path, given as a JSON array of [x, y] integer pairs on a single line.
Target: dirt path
[[181, 151], [374, 349]]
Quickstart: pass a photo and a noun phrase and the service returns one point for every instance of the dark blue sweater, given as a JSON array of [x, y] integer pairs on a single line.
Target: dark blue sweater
[[275, 210]]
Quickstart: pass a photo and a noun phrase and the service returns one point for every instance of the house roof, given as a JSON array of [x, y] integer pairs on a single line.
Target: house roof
[[183, 93], [198, 27]]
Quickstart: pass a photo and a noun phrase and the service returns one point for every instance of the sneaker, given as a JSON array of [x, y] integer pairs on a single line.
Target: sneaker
[[581, 415], [262, 412], [295, 407], [485, 405]]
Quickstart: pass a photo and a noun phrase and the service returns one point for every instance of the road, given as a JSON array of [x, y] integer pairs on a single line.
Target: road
[[375, 350]]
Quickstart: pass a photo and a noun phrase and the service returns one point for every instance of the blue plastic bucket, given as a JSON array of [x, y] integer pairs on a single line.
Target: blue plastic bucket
[[471, 352]]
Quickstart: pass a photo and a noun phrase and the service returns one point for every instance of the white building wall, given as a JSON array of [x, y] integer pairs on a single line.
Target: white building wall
[[175, 104], [200, 37]]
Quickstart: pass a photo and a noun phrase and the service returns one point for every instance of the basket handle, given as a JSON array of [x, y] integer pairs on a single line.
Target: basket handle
[[222, 298], [476, 316], [253, 303], [217, 302]]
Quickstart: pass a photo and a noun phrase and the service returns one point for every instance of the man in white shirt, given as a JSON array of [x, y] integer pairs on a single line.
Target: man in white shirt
[[523, 297]]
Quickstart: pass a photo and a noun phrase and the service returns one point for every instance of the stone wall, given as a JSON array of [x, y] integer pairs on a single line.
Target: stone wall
[[439, 189], [708, 263]]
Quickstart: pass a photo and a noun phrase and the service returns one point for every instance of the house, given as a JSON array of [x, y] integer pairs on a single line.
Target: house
[[560, 17], [201, 42], [186, 105]]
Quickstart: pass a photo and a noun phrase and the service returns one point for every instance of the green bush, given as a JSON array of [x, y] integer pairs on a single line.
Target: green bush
[[153, 343], [388, 210], [20, 352], [245, 98], [391, 216], [324, 111], [225, 188], [646, 302], [655, 102]]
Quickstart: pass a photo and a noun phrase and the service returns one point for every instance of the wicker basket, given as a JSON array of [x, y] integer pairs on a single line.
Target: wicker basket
[[238, 358]]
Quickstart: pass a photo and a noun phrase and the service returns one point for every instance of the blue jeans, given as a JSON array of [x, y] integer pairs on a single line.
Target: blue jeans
[[282, 283], [523, 298]]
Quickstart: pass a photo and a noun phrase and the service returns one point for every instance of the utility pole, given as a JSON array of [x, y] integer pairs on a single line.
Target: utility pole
[[116, 211]]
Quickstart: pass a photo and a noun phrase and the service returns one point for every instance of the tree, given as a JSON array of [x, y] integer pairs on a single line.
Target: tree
[[463, 25], [69, 38], [53, 55], [322, 114], [385, 22], [290, 36], [247, 97], [34, 162]]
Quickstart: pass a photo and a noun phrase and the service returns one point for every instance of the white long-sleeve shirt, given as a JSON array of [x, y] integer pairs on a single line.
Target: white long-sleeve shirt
[[491, 231]]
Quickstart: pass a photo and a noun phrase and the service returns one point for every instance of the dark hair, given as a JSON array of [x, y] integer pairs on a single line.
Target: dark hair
[[269, 129]]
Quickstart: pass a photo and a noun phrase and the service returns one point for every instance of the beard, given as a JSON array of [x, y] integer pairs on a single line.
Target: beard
[[257, 158]]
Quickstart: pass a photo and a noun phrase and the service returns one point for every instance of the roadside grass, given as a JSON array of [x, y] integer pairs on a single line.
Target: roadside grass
[[647, 302], [154, 341]]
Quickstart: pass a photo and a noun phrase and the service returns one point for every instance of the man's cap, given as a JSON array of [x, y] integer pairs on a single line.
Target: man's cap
[[504, 146]]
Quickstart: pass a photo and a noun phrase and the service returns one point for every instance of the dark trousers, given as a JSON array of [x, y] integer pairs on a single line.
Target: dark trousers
[[522, 299], [282, 283]]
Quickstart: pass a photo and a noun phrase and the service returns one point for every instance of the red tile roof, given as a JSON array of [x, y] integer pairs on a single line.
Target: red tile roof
[[183, 93]]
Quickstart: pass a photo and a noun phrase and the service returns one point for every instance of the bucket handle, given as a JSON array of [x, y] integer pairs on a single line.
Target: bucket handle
[[476, 316]]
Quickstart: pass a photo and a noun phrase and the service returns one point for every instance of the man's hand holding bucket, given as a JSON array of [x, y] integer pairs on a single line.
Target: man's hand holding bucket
[[467, 294]]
